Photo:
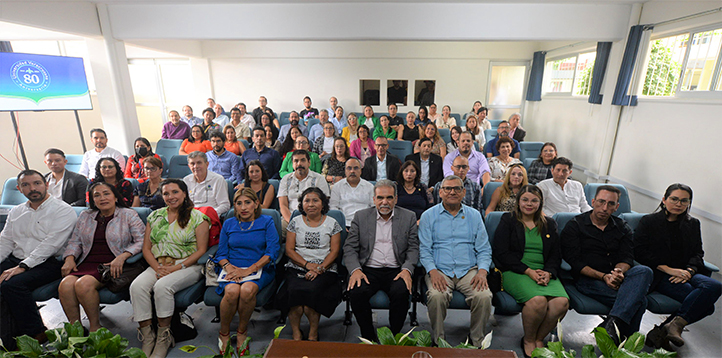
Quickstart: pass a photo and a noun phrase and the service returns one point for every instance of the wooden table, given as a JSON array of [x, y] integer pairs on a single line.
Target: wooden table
[[307, 349]]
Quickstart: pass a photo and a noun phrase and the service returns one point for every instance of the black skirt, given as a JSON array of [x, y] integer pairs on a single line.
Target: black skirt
[[323, 294]]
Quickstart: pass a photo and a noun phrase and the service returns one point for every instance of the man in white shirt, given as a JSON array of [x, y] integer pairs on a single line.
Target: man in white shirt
[[63, 184], [221, 118], [246, 118], [100, 150], [34, 235], [352, 193], [293, 184], [562, 195], [243, 131], [206, 188]]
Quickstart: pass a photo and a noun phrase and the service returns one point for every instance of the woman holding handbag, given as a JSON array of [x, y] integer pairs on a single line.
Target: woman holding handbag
[[107, 233]]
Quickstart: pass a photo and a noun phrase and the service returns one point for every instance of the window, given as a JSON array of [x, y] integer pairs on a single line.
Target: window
[[506, 89], [684, 63], [159, 86], [570, 75], [369, 92]]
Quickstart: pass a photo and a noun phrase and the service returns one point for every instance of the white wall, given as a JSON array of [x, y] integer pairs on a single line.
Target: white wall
[[285, 72], [659, 142]]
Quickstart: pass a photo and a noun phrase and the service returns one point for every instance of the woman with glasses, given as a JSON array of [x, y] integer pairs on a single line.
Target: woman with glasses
[[669, 241], [541, 168], [527, 250], [108, 171], [147, 194], [335, 167], [197, 141], [504, 197], [364, 146], [323, 145]]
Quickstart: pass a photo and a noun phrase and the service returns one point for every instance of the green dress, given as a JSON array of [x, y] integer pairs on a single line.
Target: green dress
[[521, 286]]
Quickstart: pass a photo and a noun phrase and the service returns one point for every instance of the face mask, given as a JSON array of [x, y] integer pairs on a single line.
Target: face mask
[[142, 151]]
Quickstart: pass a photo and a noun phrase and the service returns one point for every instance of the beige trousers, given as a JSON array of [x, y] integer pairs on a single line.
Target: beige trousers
[[437, 303]]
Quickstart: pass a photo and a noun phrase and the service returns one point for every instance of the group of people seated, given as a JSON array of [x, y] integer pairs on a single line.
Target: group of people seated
[[425, 214]]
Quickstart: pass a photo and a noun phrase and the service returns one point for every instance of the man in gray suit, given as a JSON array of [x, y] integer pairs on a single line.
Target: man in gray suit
[[63, 184], [381, 252]]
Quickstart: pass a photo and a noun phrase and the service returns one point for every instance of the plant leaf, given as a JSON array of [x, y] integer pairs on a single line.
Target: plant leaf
[[560, 333], [366, 341], [188, 349], [635, 342], [277, 331], [465, 345], [663, 353], [605, 342], [423, 338], [404, 339], [624, 353], [542, 353], [29, 346], [75, 340], [486, 342], [555, 347], [385, 336], [588, 351], [442, 343], [133, 353]]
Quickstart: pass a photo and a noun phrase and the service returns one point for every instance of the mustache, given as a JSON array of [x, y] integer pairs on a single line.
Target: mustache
[[35, 192], [384, 206], [301, 167]]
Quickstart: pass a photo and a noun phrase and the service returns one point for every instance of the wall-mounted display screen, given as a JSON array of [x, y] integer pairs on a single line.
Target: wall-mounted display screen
[[38, 82]]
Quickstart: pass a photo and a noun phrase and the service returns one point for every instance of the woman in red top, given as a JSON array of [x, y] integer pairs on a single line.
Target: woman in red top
[[134, 167], [233, 145], [196, 141]]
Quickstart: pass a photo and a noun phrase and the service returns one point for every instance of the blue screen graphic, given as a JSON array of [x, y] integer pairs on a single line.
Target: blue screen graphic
[[39, 82]]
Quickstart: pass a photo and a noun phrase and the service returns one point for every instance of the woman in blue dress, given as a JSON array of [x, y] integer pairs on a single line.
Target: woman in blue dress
[[248, 243]]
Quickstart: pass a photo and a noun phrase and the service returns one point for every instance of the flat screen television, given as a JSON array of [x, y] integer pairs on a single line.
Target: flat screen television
[[31, 82]]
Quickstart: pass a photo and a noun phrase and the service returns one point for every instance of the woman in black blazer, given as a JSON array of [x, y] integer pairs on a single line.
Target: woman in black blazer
[[527, 250], [669, 241]]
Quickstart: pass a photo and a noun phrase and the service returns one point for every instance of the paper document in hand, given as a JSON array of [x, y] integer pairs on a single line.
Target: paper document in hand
[[251, 277]]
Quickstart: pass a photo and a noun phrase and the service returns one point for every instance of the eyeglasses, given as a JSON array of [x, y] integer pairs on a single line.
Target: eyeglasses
[[381, 145], [103, 167], [301, 142], [456, 189], [675, 200], [150, 169], [603, 202], [353, 168]]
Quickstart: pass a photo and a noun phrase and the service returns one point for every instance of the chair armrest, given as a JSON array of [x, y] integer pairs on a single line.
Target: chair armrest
[[565, 266], [710, 266], [135, 258]]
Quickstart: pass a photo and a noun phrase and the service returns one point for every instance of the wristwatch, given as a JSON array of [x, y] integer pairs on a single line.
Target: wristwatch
[[23, 266], [183, 265]]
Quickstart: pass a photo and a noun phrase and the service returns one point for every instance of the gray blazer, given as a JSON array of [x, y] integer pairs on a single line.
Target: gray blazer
[[361, 238], [74, 188]]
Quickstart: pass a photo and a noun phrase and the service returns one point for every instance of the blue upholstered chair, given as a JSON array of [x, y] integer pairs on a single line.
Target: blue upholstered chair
[[489, 189], [456, 116], [400, 148], [283, 118], [445, 134], [494, 123], [490, 134], [178, 167], [530, 150], [168, 147], [75, 161], [11, 195]]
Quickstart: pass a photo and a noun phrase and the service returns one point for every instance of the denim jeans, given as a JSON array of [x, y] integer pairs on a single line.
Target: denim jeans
[[629, 302], [698, 296]]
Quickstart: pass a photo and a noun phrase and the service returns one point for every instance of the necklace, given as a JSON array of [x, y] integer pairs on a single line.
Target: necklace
[[240, 224], [309, 222]]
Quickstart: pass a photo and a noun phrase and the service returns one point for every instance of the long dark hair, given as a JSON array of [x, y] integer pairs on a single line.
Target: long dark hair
[[203, 134], [146, 142], [668, 192], [457, 129], [346, 153], [264, 174], [539, 220], [119, 201], [118, 171], [289, 143], [400, 176], [184, 212]]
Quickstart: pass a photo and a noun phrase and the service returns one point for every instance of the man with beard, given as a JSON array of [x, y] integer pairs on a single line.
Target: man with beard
[[261, 109], [308, 112], [351, 193], [381, 253], [35, 233], [502, 131], [221, 161], [395, 120], [293, 121], [206, 188], [189, 118], [293, 184], [100, 150], [478, 166]]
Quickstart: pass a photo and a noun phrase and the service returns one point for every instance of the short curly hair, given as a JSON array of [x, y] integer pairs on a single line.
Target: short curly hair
[[321, 195]]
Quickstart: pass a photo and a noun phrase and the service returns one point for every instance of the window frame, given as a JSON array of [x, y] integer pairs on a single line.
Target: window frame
[[710, 93], [522, 105], [164, 105], [546, 79]]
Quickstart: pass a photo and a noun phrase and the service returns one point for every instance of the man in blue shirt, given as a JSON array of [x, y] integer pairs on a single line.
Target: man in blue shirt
[[455, 251], [501, 131], [221, 161], [189, 118], [270, 158], [293, 121]]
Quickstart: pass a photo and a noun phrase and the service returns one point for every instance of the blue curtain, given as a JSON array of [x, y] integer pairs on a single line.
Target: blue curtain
[[627, 68], [5, 46], [600, 69], [534, 90]]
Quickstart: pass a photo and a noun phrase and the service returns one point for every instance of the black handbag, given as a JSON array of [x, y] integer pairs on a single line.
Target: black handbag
[[122, 282]]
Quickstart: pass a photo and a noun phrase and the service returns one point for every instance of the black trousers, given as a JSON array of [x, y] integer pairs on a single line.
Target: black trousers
[[17, 294], [360, 296]]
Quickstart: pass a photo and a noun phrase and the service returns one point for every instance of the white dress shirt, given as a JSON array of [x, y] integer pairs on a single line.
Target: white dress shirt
[[213, 192], [55, 187], [33, 236], [349, 200], [424, 171], [571, 199], [249, 121], [381, 168], [91, 158]]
